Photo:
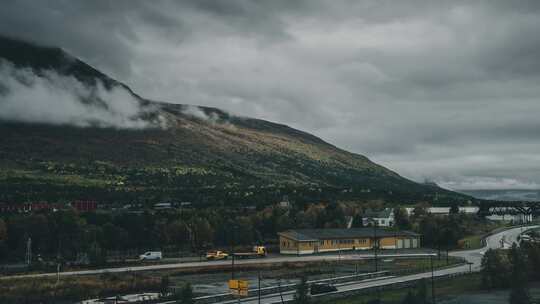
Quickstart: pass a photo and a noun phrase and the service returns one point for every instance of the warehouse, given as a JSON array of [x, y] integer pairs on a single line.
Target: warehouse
[[308, 241]]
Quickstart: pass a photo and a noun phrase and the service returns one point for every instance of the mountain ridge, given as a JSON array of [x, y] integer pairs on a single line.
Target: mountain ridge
[[204, 154]]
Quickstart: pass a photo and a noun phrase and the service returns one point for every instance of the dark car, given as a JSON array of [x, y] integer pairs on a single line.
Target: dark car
[[318, 288]]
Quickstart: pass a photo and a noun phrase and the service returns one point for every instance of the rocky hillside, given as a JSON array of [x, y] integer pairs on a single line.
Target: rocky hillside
[[181, 153]]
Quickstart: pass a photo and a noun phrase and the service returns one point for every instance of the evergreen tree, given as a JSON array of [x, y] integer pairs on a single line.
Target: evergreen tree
[[419, 295], [164, 286], [402, 219], [493, 270], [421, 291], [186, 295], [533, 258], [519, 294], [454, 209], [410, 298], [357, 221], [302, 289]]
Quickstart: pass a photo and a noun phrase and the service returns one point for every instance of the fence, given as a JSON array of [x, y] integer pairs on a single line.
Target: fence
[[286, 287], [391, 286], [336, 280]]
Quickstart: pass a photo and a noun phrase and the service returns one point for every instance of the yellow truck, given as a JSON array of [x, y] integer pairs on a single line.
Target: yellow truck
[[257, 252]]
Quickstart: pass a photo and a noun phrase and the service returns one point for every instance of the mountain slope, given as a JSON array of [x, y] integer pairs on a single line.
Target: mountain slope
[[204, 155]]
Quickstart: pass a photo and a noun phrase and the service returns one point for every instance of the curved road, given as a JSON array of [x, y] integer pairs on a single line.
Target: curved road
[[503, 239]]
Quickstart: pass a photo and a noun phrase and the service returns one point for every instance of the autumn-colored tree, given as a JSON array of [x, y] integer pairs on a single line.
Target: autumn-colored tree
[[3, 230]]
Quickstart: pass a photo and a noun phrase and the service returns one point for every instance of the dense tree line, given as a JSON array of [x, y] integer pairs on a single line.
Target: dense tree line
[[440, 232], [67, 234], [512, 269]]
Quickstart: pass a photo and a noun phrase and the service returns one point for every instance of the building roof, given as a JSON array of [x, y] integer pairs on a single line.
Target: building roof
[[335, 233]]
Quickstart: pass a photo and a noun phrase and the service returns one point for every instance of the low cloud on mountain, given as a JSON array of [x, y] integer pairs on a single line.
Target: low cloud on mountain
[[62, 100]]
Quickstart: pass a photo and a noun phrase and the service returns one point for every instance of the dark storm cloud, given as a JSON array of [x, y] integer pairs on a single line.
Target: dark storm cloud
[[443, 90]]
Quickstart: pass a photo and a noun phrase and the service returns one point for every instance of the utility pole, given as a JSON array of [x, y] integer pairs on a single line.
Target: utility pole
[[395, 238], [376, 246], [232, 252], [279, 288], [259, 289], [29, 251], [339, 250], [57, 274], [432, 280], [376, 258]]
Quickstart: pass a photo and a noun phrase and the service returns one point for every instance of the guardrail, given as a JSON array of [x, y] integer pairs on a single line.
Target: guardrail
[[366, 290], [334, 280]]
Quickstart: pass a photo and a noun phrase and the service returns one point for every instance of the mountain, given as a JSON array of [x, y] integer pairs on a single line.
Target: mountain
[[176, 152]]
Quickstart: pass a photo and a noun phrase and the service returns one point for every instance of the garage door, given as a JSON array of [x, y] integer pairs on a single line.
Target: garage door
[[415, 243], [400, 243], [407, 243]]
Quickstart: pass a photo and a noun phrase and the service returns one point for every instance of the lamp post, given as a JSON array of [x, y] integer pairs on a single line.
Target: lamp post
[[375, 245], [259, 289], [232, 251], [395, 239], [432, 280]]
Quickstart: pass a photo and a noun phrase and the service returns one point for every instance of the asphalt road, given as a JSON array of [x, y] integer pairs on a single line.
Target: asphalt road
[[270, 259], [502, 239]]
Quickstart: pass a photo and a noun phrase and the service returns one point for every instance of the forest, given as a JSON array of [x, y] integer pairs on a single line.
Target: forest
[[67, 234]]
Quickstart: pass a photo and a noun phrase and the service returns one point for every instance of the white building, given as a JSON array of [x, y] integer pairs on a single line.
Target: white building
[[384, 218], [444, 210]]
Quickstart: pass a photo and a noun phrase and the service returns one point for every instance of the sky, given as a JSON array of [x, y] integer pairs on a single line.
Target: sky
[[446, 91]]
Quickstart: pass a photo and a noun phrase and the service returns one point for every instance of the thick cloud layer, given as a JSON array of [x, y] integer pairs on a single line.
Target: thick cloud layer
[[439, 90]]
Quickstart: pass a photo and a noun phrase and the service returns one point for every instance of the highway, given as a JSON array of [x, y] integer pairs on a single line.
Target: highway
[[502, 239], [187, 265]]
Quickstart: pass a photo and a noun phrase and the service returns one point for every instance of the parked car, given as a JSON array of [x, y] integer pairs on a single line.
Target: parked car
[[151, 256], [318, 288]]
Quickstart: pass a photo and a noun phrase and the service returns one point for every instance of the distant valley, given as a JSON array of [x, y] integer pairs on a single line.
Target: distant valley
[[505, 195]]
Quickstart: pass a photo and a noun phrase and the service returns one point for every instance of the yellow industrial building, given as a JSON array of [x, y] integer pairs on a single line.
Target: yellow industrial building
[[308, 241]]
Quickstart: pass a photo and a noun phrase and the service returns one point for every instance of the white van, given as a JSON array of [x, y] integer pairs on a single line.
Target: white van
[[150, 255]]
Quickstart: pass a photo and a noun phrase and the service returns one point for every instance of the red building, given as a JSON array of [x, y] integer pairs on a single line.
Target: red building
[[84, 206]]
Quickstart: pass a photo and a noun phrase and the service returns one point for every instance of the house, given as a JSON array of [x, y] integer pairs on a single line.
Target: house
[[384, 218], [285, 203], [309, 241]]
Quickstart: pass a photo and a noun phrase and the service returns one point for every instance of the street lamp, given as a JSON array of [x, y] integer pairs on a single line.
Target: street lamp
[[375, 244], [432, 280], [232, 251], [259, 289]]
